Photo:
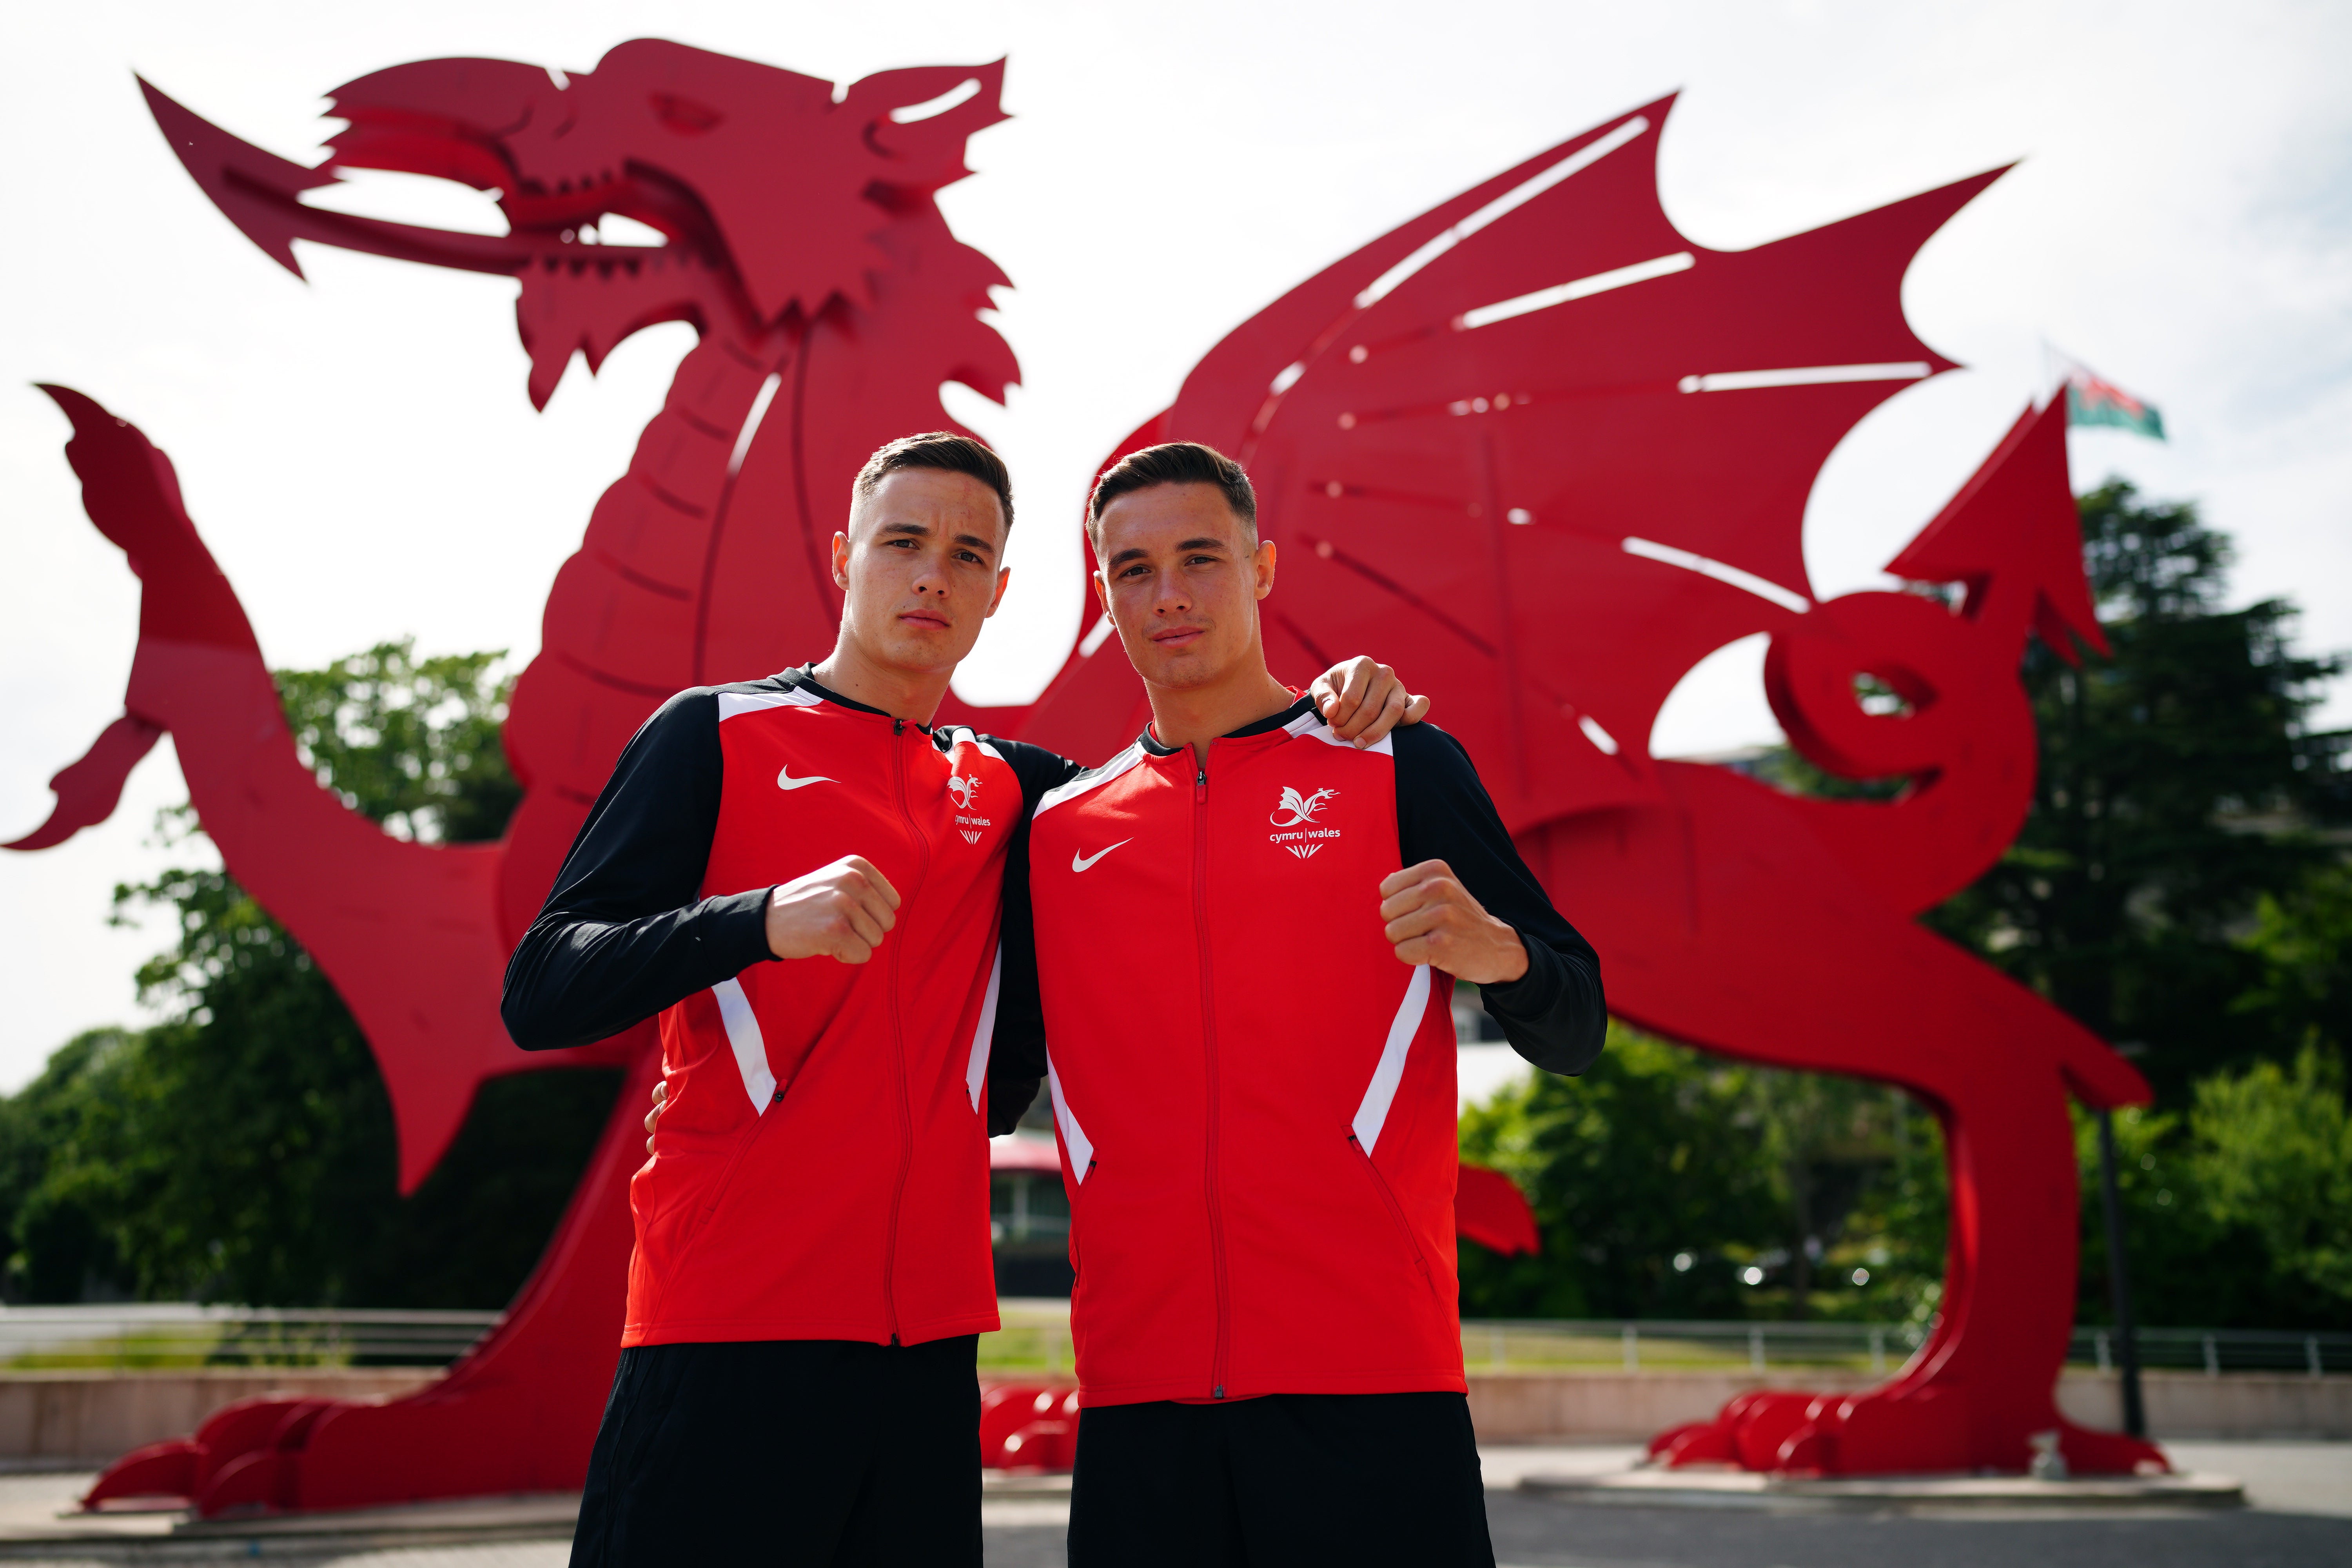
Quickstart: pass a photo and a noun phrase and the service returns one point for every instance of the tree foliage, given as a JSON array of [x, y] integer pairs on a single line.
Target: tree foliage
[[2238, 1210], [410, 742], [244, 1148], [1668, 1184], [2301, 945]]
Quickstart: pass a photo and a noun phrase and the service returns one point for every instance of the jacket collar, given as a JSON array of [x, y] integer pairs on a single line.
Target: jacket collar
[[803, 676], [1267, 725]]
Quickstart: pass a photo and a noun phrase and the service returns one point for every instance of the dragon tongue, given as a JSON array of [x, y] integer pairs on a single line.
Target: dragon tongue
[[255, 189]]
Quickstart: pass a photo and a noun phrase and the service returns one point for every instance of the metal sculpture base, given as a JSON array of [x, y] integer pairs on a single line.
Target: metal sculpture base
[[1903, 1429]]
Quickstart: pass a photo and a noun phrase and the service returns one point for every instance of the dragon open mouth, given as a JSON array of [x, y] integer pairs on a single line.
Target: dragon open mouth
[[262, 193], [763, 216]]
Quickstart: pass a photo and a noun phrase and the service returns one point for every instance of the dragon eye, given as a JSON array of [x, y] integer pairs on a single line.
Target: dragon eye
[[684, 115]]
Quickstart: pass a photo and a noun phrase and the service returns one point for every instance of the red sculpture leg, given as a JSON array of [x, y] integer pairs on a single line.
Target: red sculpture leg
[[1028, 1427], [1776, 957], [88, 789], [518, 1415]]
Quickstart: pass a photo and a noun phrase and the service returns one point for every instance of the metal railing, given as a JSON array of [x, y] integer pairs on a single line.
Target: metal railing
[[168, 1334], [1036, 1338], [1493, 1345], [2215, 1351]]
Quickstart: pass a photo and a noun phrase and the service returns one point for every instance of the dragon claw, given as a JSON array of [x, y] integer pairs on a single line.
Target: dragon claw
[[88, 790]]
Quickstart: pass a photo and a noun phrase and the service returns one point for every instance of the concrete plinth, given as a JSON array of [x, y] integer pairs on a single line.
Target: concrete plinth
[[2231, 1405], [98, 1416]]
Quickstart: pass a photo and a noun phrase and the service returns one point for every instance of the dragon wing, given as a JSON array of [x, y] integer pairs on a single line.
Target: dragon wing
[[1547, 454]]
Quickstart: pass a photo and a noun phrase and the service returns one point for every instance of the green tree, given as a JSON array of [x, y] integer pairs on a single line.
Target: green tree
[[244, 1148], [1670, 1183], [1895, 1233], [2189, 1265], [2300, 943], [410, 742], [1827, 1141], [1648, 1156], [61, 1255], [2273, 1154], [2238, 1212]]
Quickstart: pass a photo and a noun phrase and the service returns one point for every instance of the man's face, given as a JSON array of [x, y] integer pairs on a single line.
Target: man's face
[[919, 568], [1180, 581]]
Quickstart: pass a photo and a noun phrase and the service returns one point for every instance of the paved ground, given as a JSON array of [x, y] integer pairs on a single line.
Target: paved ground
[[2301, 1517], [2301, 1493]]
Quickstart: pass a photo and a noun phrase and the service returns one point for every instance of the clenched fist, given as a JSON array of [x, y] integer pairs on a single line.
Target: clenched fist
[[839, 912], [1433, 920]]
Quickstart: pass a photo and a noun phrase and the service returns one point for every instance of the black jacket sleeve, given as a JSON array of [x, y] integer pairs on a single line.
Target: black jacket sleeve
[[623, 935], [1016, 1051], [1555, 1014]]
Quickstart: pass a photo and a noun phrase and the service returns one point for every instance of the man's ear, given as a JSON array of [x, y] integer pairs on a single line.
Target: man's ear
[[841, 562], [1102, 596], [1004, 576], [1263, 563]]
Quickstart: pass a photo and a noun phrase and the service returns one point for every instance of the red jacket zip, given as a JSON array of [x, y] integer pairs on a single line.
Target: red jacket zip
[[1209, 1050], [899, 1032]]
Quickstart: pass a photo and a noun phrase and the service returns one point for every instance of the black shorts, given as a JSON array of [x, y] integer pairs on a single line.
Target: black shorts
[[1291, 1479], [786, 1451]]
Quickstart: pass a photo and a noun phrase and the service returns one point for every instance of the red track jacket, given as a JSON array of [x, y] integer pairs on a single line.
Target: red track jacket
[[809, 1185], [1255, 1101], [822, 1170]]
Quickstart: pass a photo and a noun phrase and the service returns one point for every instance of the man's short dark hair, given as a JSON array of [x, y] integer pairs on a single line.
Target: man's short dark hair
[[945, 451], [1177, 463]]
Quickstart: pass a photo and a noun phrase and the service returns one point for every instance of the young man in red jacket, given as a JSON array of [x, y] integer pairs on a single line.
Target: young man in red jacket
[[1253, 1079], [808, 882]]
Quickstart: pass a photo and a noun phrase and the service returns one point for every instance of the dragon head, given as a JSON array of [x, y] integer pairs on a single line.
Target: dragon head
[[773, 194]]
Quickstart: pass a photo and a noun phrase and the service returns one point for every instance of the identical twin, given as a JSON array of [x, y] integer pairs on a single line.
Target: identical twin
[[861, 934]]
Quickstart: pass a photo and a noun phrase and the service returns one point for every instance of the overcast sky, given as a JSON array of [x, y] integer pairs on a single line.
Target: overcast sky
[[361, 457]]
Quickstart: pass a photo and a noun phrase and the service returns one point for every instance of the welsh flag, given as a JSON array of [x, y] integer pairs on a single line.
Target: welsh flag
[[2093, 401]]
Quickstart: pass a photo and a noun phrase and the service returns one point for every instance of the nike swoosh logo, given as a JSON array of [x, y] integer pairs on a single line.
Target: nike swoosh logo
[[1080, 862], [784, 779]]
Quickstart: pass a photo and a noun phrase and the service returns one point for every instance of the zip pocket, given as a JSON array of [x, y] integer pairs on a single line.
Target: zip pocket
[[1396, 1213], [725, 1184], [700, 1218], [735, 1163]]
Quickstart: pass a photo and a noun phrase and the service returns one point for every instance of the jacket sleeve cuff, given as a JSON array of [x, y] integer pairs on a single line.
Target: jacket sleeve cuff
[[734, 929], [1532, 995]]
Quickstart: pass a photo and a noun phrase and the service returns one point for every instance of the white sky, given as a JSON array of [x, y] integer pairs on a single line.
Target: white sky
[[362, 460]]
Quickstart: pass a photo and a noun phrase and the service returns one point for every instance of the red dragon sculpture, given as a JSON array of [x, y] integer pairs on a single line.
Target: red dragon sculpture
[[1611, 431]]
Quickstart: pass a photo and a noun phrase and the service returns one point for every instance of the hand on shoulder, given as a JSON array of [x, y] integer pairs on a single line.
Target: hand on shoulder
[[1363, 700]]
